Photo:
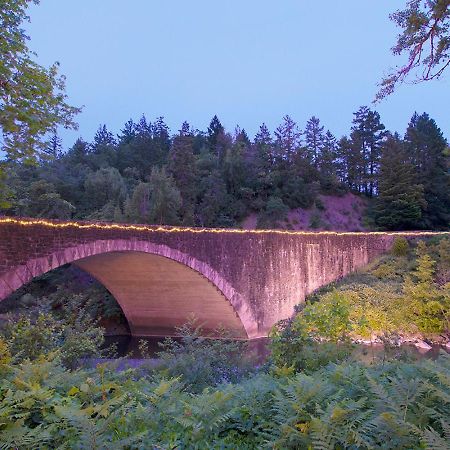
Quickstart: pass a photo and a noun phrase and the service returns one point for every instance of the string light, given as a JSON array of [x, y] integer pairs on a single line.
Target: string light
[[175, 229]]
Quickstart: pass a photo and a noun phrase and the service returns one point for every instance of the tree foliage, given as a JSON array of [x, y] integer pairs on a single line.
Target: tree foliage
[[218, 179], [32, 98], [424, 38], [401, 202]]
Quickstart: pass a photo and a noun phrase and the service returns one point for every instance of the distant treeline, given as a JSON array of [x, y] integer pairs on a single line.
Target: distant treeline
[[217, 178]]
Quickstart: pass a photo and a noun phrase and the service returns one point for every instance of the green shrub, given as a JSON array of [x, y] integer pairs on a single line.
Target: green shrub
[[315, 220], [385, 271], [319, 204], [318, 335], [75, 337], [400, 247], [200, 361]]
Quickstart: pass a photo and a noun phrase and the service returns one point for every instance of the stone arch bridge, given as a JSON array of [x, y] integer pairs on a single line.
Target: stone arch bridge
[[245, 280]]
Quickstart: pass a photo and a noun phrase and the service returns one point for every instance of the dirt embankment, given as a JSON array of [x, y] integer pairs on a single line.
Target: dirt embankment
[[345, 213]]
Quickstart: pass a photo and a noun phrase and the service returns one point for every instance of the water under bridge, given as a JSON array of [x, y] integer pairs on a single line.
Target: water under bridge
[[243, 280]]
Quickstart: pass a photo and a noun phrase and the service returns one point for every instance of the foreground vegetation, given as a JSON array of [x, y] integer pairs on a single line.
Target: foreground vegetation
[[394, 406], [313, 392]]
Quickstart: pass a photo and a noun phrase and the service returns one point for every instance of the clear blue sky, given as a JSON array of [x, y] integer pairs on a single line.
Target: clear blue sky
[[246, 61]]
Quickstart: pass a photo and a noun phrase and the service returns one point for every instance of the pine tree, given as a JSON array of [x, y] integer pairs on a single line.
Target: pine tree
[[182, 166], [327, 163], [234, 168], [103, 139], [288, 139], [350, 161], [161, 142], [139, 153], [367, 136], [401, 202], [77, 154], [264, 144], [54, 148], [128, 133], [215, 137], [427, 149], [143, 129], [314, 139]]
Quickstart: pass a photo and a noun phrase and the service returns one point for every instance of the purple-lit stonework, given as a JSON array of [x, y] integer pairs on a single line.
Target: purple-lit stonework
[[246, 280]]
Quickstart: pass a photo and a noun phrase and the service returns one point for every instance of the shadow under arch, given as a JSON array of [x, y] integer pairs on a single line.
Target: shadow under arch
[[201, 291]]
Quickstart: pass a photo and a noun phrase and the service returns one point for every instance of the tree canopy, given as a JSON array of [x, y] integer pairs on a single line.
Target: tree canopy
[[425, 38], [32, 97]]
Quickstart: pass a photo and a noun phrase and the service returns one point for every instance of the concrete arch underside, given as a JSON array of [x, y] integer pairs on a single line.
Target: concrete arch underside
[[157, 287]]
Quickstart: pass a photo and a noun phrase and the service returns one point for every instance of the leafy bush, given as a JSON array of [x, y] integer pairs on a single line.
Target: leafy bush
[[201, 362], [430, 303], [275, 211], [315, 221], [386, 270], [73, 337], [318, 335], [400, 247]]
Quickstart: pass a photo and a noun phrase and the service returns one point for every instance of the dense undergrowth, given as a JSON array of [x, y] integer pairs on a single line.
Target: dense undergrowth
[[394, 405], [401, 297], [312, 393]]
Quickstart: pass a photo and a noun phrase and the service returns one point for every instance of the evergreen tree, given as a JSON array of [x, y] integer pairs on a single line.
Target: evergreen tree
[[139, 153], [103, 149], [128, 133], [186, 129], [161, 142], [400, 202], [342, 150], [350, 161], [103, 139], [288, 139], [367, 136], [427, 151], [234, 169], [215, 129], [218, 140], [328, 167], [182, 166], [77, 154], [425, 38], [314, 139], [264, 145], [143, 129], [54, 148]]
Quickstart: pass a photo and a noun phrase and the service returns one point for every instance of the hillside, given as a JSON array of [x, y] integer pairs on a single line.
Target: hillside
[[330, 212]]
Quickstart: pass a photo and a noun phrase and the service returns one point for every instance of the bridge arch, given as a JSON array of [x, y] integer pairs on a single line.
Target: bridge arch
[[218, 302]]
